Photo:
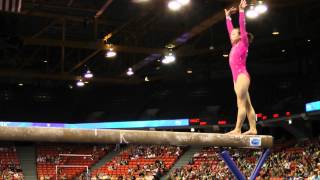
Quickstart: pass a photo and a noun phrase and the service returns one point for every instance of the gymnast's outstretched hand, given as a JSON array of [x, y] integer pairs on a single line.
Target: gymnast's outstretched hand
[[243, 4], [230, 11]]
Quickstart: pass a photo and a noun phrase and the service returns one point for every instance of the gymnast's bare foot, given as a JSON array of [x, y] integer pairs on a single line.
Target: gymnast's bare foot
[[234, 132], [250, 132]]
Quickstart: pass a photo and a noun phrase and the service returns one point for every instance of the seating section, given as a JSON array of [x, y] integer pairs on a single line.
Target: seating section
[[287, 161], [299, 160], [140, 161], [9, 163], [55, 160]]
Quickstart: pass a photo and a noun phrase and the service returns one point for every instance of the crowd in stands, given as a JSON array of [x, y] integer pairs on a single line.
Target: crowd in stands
[[9, 164], [140, 162], [51, 155], [147, 162], [301, 161]]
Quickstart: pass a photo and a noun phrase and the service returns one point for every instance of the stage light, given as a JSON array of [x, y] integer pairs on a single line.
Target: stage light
[[261, 7], [110, 53], [146, 79], [183, 2], [225, 55], [174, 5], [80, 83], [170, 58], [189, 71], [275, 33], [88, 74], [252, 13], [130, 72], [290, 121]]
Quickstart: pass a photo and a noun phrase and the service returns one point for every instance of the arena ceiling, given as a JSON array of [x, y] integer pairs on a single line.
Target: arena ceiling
[[49, 45], [59, 40]]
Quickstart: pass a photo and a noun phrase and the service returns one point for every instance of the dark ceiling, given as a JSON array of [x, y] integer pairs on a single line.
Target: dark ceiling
[[68, 34]]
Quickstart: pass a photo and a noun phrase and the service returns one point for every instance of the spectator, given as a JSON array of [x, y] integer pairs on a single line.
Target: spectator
[[285, 162]]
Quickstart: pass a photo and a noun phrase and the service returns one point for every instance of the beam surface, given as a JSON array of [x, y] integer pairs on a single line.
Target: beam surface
[[133, 137]]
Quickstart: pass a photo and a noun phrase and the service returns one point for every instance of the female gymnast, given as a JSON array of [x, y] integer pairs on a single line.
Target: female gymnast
[[241, 79]]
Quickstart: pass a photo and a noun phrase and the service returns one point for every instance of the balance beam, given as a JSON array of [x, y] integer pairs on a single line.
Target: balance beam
[[132, 137]]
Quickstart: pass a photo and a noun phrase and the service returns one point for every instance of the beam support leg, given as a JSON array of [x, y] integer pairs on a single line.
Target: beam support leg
[[261, 160], [232, 165]]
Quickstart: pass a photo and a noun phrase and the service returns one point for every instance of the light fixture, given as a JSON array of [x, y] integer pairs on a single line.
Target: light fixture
[[169, 58], [174, 5], [290, 121], [183, 2], [146, 79], [110, 53], [20, 84], [225, 55], [130, 72], [283, 50], [211, 47], [309, 40], [192, 129], [275, 33], [80, 83], [45, 61], [261, 7], [88, 74], [189, 71], [252, 13]]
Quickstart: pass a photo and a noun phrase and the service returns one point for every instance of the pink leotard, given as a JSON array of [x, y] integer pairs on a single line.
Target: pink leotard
[[239, 51]]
